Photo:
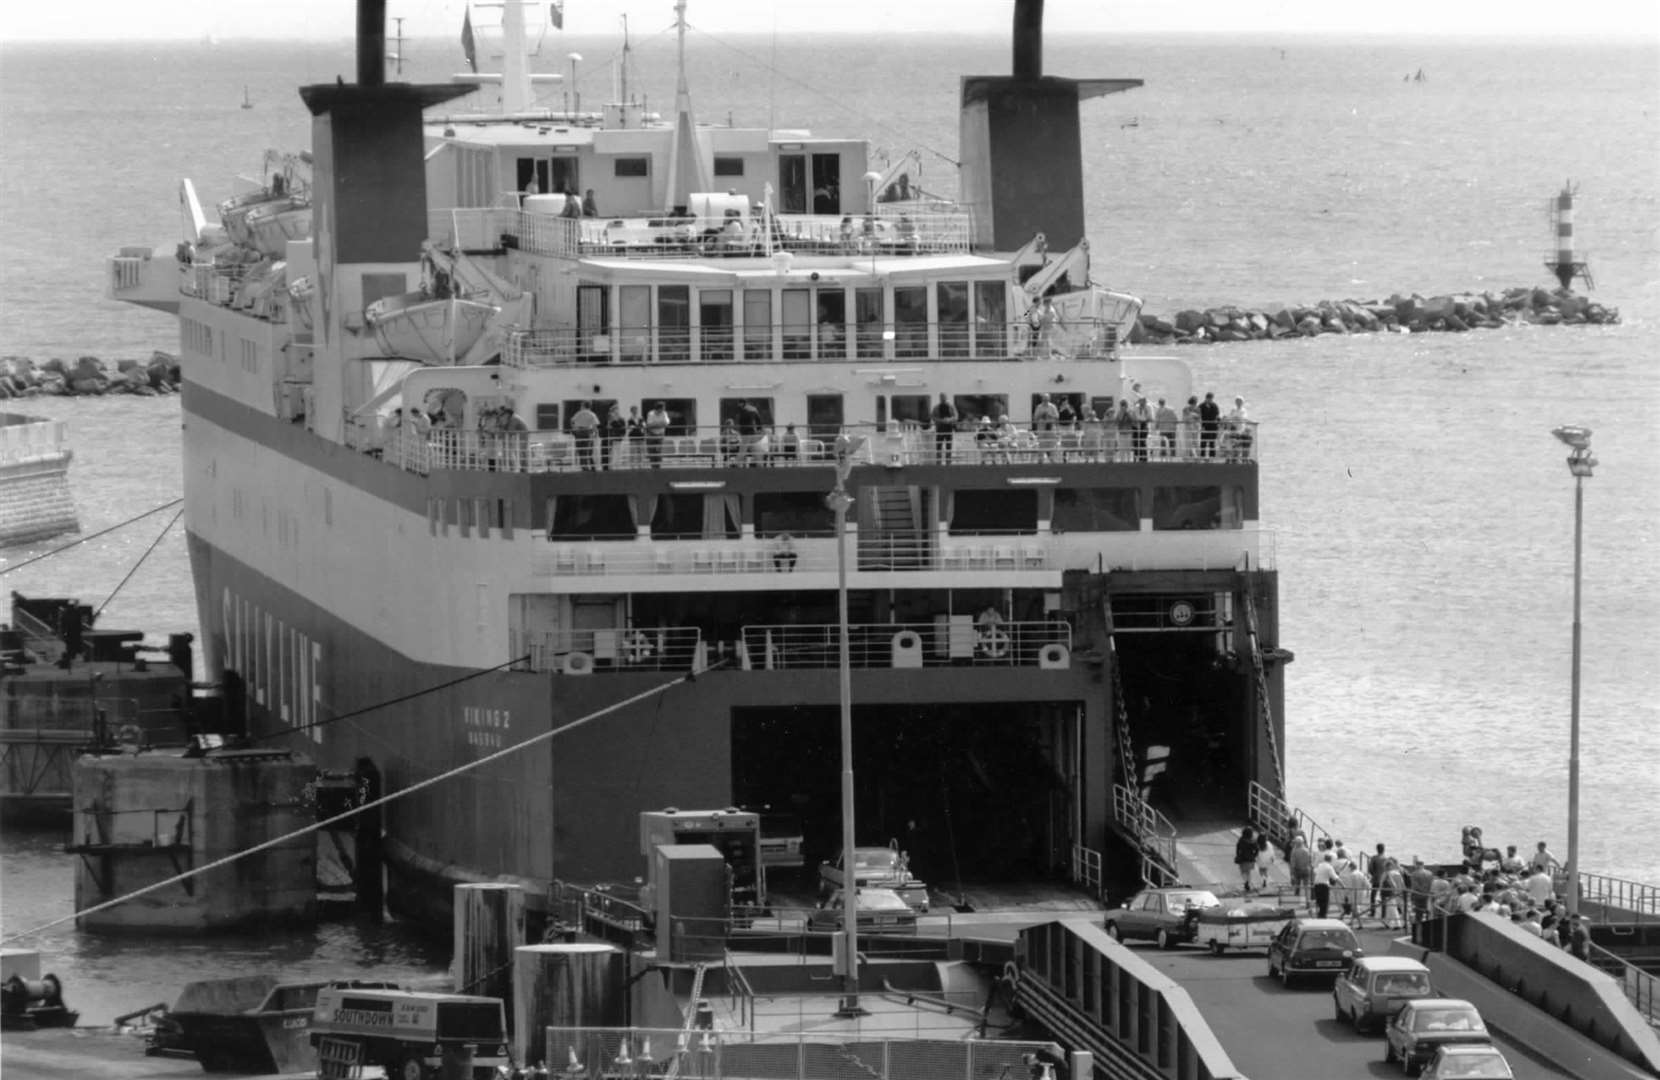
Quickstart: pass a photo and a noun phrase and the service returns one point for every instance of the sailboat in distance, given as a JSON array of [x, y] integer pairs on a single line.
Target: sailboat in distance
[[247, 102]]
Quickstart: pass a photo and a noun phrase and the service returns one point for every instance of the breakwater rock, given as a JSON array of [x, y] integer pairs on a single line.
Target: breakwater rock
[[1399, 314], [22, 377]]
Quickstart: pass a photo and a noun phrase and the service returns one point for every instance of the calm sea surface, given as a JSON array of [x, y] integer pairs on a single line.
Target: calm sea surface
[[1423, 513]]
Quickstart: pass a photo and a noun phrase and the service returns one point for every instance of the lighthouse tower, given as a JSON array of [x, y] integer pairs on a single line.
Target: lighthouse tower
[[1563, 264]]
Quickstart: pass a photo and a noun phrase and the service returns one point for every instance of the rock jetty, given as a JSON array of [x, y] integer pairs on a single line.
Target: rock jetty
[[21, 377], [1399, 314]]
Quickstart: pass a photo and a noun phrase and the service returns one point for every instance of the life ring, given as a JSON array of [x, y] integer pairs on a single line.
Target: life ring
[[637, 647], [992, 643]]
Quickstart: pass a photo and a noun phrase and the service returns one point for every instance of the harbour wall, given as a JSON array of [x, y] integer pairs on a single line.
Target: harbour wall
[[22, 377], [1414, 314], [34, 480]]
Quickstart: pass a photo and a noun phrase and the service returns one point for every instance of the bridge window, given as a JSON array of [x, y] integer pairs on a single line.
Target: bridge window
[[832, 323], [824, 416], [674, 322], [714, 315], [634, 322], [631, 166], [973, 406], [757, 324], [910, 318], [1097, 510], [798, 323], [870, 318], [729, 166], [990, 511], [912, 408]]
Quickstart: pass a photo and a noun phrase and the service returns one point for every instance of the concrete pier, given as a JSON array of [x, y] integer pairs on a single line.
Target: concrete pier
[[142, 818]]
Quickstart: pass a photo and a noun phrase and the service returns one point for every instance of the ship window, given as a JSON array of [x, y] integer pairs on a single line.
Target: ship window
[[1097, 510], [631, 166], [1104, 405], [547, 416], [801, 513], [674, 322], [991, 319], [682, 414], [729, 410], [594, 517], [600, 407], [1057, 400], [910, 320], [1187, 508], [729, 166], [824, 416], [990, 511], [952, 299], [869, 315], [973, 406], [798, 326], [792, 183], [677, 517], [714, 316], [757, 324], [827, 183], [832, 323], [634, 322], [911, 408]]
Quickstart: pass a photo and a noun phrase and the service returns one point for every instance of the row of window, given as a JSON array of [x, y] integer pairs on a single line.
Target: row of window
[[825, 413]]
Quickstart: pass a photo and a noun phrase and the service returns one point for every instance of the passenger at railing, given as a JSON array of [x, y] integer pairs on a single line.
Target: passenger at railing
[[1044, 419], [1357, 886], [1301, 863], [1512, 863], [1164, 425], [1188, 434], [515, 438], [985, 439], [848, 242], [1143, 427], [1095, 432], [1210, 421], [783, 553], [590, 205], [1239, 431], [731, 445], [1374, 869], [944, 416], [1066, 418], [1579, 938], [615, 437], [788, 446], [1325, 876], [1008, 439], [657, 426], [907, 233], [585, 427], [750, 431], [868, 234], [1544, 860], [1044, 321], [1120, 425], [573, 206], [1392, 894]]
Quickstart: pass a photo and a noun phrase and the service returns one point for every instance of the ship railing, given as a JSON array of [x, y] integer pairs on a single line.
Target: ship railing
[[470, 228], [798, 1053], [231, 285], [1624, 902], [24, 438], [1154, 831], [942, 642], [892, 444], [581, 652], [807, 342], [805, 554], [1086, 871], [1638, 985], [52, 712]]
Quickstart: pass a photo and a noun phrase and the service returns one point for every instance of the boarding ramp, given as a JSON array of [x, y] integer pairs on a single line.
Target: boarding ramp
[[1097, 995]]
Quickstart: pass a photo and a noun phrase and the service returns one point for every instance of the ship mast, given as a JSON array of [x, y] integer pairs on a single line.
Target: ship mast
[[515, 67]]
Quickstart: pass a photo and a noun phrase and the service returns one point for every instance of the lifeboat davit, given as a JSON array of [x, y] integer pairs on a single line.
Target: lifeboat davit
[[417, 326]]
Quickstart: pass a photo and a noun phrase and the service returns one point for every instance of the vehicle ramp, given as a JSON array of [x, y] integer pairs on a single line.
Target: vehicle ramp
[[1204, 855]]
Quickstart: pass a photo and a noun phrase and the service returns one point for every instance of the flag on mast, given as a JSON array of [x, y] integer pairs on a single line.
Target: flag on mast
[[556, 14], [467, 40]]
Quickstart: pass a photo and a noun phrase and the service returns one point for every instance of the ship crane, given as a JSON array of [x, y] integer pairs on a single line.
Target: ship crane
[[1563, 264], [1047, 275]]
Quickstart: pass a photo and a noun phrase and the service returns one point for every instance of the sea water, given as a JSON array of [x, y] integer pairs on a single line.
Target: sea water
[[1422, 512]]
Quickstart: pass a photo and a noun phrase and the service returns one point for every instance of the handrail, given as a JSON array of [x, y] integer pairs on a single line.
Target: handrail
[[1152, 829], [1639, 986], [906, 645], [1641, 901], [1086, 870]]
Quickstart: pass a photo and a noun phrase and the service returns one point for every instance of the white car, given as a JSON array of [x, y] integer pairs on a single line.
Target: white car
[[1468, 1063], [877, 909]]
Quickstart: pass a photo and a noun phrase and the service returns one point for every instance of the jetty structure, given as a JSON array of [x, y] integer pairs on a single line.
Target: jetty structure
[[541, 469], [35, 501]]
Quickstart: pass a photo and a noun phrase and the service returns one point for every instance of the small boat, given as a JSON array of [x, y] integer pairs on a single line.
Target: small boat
[[433, 330], [272, 224], [247, 102]]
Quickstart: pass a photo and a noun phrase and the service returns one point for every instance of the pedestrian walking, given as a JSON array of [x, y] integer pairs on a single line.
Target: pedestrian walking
[[1325, 876], [1245, 855]]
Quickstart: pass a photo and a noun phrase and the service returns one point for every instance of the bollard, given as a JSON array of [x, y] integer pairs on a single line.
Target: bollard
[[489, 927], [563, 986]]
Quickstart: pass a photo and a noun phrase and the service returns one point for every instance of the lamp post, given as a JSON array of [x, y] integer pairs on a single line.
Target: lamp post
[[573, 96], [1580, 464], [847, 446]]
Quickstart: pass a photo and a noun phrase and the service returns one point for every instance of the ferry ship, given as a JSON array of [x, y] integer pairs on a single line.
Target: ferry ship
[[420, 535]]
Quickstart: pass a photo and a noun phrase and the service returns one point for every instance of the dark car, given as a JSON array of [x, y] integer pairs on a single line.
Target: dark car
[[1161, 915], [1468, 1061], [1313, 947], [1375, 987], [1423, 1027]]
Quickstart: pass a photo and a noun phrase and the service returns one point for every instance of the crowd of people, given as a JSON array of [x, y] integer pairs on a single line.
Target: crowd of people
[[1131, 428], [1358, 886]]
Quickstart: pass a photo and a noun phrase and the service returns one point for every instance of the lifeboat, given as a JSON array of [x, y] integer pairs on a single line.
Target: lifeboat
[[271, 225], [418, 326]]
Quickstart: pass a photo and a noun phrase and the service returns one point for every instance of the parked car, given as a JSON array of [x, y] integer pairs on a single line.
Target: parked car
[[1468, 1061], [1161, 915], [781, 840], [877, 909], [1320, 947], [878, 867], [1374, 989], [1422, 1027]]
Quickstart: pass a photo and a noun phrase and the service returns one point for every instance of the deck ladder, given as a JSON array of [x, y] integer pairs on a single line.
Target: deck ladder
[[1265, 711]]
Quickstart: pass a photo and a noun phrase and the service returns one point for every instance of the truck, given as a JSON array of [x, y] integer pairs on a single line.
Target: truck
[[408, 1033]]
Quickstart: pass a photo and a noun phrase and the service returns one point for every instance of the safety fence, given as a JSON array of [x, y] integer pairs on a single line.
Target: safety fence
[[704, 1054], [943, 643], [1154, 832]]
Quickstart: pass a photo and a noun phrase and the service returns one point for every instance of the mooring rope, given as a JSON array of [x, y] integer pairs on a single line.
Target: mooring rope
[[344, 815], [138, 564], [48, 554]]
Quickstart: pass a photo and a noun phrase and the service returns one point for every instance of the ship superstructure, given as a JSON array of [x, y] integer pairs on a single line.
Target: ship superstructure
[[421, 534]]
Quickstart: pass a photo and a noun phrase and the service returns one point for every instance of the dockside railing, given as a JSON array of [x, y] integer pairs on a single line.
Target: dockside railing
[[1154, 832], [908, 645]]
